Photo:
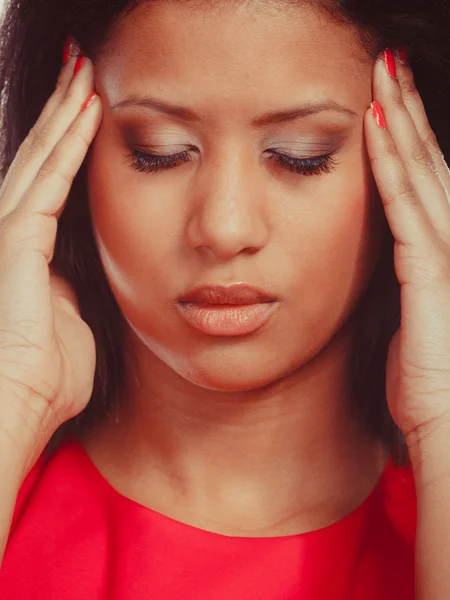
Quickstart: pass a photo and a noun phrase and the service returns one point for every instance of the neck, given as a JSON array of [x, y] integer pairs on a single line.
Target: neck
[[282, 459]]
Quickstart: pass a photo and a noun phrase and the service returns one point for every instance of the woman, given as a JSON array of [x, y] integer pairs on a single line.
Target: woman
[[207, 388]]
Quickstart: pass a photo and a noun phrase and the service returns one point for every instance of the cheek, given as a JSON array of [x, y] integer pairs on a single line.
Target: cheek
[[322, 248], [338, 246], [133, 233], [343, 243]]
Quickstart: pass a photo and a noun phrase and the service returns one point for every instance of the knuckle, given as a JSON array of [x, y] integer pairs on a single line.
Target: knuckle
[[77, 137], [376, 159], [404, 191], [72, 99], [390, 155], [398, 102], [80, 138], [66, 177], [409, 87], [46, 169], [51, 170], [30, 140], [421, 156], [387, 155], [36, 140]]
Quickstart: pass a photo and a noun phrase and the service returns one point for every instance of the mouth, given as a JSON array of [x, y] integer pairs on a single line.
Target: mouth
[[227, 311]]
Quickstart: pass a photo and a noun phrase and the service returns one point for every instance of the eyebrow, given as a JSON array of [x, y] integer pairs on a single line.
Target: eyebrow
[[188, 114]]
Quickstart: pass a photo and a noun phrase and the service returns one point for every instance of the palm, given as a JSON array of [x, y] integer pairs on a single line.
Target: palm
[[414, 184], [45, 347], [47, 352], [418, 369]]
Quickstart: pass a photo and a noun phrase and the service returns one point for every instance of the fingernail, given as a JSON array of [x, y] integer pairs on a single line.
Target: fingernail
[[71, 48], [378, 114], [89, 100], [78, 64], [402, 56], [389, 61]]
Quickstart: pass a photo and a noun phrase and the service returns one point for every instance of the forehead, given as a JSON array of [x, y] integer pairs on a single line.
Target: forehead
[[230, 49]]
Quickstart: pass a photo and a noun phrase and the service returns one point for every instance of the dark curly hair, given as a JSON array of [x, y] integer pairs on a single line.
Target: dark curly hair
[[31, 38]]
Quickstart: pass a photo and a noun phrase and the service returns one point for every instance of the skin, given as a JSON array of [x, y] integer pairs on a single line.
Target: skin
[[208, 421], [192, 448]]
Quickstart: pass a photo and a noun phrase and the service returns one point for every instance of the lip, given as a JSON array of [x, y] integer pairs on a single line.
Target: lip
[[237, 294], [234, 310]]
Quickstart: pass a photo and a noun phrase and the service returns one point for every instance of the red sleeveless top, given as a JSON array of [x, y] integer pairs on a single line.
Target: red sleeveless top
[[74, 537]]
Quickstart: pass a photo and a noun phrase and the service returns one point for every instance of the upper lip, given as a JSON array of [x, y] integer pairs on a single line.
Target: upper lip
[[232, 294]]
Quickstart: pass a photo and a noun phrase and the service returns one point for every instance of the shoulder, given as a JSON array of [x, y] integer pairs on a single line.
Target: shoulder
[[61, 529], [56, 484]]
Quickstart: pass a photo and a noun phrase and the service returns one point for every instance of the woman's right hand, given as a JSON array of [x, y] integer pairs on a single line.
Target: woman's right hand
[[47, 352]]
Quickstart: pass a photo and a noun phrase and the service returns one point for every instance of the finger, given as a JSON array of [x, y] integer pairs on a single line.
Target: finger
[[71, 53], [407, 218], [411, 149], [48, 194], [43, 138], [416, 109]]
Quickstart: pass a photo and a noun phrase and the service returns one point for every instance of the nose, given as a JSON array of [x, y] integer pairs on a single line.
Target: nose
[[228, 213]]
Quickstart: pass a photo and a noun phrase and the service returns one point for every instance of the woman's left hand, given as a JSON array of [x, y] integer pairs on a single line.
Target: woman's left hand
[[414, 184]]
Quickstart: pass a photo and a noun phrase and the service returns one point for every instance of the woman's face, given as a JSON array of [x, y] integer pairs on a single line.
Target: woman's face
[[230, 89]]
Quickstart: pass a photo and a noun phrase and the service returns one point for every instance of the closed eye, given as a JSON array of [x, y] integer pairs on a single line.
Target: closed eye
[[305, 166], [152, 163]]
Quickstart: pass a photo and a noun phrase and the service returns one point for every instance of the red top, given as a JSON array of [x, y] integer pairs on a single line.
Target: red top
[[74, 537]]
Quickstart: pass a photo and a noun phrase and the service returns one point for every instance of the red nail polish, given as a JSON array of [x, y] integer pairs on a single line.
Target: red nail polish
[[67, 49], [71, 48], [389, 61], [402, 56], [378, 114], [78, 64], [88, 101]]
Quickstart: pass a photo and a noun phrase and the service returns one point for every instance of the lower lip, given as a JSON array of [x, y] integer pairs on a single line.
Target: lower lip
[[226, 319]]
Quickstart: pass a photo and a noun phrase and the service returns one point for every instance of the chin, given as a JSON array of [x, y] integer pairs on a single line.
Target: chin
[[235, 365], [231, 374], [227, 382]]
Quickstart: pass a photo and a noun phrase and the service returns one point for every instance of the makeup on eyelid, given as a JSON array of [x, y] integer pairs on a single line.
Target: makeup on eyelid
[[168, 142], [151, 137], [319, 133], [157, 149]]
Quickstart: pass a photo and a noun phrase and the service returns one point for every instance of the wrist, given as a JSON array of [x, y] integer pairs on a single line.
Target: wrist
[[429, 452], [23, 436]]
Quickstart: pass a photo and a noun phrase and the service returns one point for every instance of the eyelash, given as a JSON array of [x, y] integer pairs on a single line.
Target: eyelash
[[152, 163]]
